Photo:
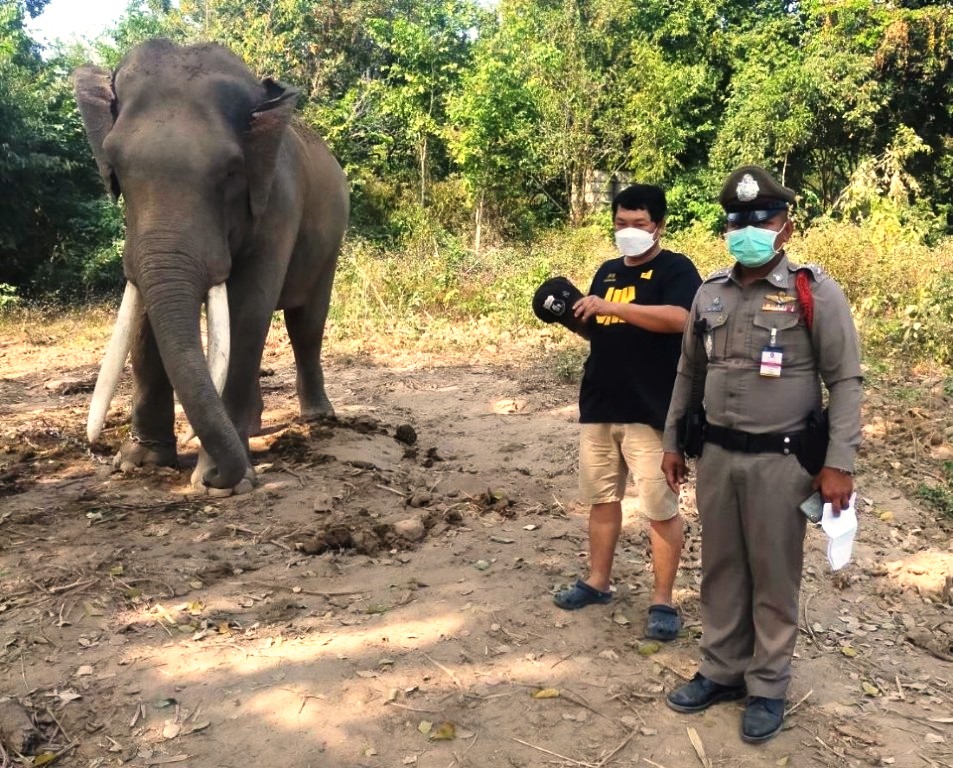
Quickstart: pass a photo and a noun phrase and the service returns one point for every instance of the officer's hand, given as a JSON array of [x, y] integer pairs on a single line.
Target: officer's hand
[[835, 487], [673, 467], [588, 306]]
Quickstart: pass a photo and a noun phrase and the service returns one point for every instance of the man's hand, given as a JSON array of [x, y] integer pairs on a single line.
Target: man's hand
[[673, 467], [588, 306], [835, 487]]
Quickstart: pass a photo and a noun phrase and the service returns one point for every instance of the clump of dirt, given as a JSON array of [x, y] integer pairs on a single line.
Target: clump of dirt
[[366, 535], [294, 443], [16, 727], [495, 501], [365, 539], [405, 434], [363, 425]]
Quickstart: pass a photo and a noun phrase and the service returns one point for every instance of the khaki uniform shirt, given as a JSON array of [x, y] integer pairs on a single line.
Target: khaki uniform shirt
[[741, 321]]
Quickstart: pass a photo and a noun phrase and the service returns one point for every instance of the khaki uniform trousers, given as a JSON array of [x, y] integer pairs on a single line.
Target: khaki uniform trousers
[[752, 552]]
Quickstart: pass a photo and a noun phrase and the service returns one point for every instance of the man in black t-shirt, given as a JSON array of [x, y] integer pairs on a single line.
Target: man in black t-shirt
[[634, 316]]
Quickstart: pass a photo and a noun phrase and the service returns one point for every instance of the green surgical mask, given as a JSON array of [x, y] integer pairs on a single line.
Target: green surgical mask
[[752, 246]]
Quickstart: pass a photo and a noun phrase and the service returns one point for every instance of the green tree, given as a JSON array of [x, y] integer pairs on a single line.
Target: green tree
[[51, 210], [425, 55]]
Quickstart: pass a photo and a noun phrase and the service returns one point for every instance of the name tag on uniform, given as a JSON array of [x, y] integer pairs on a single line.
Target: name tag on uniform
[[771, 359]]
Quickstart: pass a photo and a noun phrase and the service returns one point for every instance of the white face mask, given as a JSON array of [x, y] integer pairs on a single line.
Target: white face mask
[[633, 242]]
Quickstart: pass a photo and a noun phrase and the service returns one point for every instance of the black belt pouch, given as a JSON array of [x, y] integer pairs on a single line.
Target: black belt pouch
[[812, 450]]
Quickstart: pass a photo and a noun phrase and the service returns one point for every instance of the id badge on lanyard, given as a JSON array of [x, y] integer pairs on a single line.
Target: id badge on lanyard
[[772, 357]]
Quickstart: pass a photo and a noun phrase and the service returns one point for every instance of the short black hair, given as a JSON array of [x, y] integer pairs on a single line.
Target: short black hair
[[644, 197]]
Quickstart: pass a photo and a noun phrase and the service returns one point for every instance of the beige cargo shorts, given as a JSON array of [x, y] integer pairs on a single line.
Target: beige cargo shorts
[[608, 452]]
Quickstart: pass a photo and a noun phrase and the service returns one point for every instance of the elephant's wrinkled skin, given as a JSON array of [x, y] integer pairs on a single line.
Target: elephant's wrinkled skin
[[219, 186]]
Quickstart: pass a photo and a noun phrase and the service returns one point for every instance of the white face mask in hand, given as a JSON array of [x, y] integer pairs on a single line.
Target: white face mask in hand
[[633, 242]]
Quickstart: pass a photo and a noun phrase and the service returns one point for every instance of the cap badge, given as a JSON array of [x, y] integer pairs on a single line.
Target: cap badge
[[747, 189], [554, 305]]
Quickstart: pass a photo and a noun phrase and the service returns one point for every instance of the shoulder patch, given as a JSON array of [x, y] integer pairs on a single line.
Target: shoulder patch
[[718, 274]]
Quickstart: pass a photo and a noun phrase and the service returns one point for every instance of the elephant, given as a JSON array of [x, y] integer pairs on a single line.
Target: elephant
[[229, 202]]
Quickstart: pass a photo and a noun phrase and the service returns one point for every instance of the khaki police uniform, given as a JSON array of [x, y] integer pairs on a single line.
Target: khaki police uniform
[[752, 530]]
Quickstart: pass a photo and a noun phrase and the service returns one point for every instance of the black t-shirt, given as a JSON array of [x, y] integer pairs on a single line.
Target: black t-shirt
[[630, 373]]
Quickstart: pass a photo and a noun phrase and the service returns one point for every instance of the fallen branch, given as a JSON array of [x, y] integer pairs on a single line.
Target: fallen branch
[[313, 592], [799, 703], [391, 490], [294, 474], [616, 751], [807, 621], [57, 755], [554, 754], [413, 709], [445, 669], [699, 746], [59, 725], [829, 748], [576, 699], [463, 757]]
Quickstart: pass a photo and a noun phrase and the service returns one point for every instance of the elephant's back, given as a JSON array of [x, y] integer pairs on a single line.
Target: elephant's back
[[324, 170]]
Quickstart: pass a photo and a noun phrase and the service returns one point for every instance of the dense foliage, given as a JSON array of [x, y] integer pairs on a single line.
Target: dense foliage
[[468, 128]]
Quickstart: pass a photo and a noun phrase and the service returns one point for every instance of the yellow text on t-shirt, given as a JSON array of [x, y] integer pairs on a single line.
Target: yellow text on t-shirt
[[617, 296]]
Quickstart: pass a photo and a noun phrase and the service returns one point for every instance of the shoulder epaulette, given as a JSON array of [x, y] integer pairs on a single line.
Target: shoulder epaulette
[[723, 272], [816, 270]]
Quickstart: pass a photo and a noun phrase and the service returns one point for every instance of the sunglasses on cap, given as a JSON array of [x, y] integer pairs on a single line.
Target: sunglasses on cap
[[758, 216]]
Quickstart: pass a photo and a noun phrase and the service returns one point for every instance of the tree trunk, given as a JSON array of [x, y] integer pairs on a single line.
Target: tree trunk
[[577, 197], [423, 172], [478, 228]]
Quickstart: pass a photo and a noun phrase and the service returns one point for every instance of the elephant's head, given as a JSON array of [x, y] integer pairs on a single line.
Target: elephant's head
[[190, 139]]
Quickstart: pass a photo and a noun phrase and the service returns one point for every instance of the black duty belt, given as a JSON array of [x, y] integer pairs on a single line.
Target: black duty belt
[[746, 442]]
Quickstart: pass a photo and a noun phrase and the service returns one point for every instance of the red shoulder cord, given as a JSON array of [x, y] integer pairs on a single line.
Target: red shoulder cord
[[802, 282]]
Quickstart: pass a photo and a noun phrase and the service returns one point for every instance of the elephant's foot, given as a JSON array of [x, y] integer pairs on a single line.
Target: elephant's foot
[[316, 412], [139, 452], [245, 485]]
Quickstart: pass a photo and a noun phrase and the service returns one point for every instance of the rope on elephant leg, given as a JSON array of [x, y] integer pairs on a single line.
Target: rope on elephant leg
[[151, 443]]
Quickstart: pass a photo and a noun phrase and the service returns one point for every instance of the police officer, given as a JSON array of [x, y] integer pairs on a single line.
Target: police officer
[[771, 331]]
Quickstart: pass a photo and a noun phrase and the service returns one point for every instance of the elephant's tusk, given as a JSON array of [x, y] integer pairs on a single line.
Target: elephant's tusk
[[113, 362], [219, 341]]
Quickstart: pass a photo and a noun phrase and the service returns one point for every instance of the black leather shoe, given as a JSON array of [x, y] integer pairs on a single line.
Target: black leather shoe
[[763, 719], [701, 693]]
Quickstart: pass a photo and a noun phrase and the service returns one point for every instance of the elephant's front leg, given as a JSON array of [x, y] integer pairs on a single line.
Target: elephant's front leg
[[151, 441], [250, 311]]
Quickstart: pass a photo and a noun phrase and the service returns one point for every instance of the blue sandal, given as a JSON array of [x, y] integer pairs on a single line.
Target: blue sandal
[[663, 623], [579, 595]]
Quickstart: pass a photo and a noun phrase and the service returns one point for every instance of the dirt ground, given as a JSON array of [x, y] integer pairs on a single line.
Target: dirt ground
[[383, 598]]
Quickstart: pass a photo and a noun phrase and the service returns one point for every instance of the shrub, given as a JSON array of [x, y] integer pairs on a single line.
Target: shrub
[[901, 292], [8, 297]]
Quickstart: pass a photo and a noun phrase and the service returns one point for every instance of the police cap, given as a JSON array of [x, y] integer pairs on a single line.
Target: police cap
[[751, 187]]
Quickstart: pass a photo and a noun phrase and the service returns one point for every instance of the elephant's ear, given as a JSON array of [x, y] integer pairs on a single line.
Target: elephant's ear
[[96, 101], [263, 140]]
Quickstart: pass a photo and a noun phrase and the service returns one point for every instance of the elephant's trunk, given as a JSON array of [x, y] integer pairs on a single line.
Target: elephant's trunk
[[172, 299], [219, 341]]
